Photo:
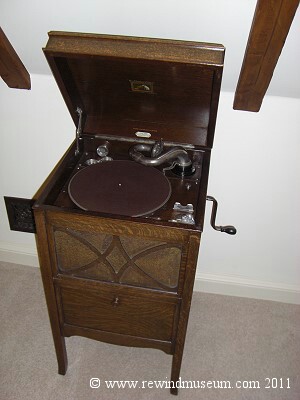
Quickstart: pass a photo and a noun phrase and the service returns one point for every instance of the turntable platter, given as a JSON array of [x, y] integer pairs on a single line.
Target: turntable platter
[[120, 187]]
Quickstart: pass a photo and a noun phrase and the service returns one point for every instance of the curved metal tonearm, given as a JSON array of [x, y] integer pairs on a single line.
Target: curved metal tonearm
[[176, 154]]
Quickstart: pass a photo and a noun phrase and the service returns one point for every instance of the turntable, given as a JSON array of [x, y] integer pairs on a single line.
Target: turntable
[[119, 219]]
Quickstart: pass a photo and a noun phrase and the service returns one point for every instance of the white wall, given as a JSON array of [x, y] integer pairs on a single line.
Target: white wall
[[254, 174], [35, 130], [255, 164]]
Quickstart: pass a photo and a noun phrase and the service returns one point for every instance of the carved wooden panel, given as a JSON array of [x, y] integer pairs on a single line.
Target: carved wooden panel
[[119, 259]]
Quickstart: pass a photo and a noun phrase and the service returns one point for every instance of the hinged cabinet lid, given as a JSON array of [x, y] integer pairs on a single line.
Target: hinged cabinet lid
[[139, 87]]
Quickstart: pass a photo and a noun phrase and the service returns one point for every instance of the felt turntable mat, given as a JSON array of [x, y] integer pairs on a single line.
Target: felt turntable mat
[[120, 187]]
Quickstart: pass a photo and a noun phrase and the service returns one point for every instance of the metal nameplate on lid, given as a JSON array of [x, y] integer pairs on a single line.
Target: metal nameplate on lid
[[141, 134], [142, 86]]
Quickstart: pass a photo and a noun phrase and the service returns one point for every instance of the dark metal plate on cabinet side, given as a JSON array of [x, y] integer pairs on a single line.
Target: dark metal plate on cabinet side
[[20, 214]]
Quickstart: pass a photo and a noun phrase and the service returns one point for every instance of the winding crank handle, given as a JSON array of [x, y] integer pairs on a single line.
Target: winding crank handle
[[231, 230]]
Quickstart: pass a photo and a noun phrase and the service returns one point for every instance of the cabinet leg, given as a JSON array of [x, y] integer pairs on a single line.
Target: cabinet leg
[[58, 339], [49, 289], [176, 365], [174, 391], [61, 355], [184, 312]]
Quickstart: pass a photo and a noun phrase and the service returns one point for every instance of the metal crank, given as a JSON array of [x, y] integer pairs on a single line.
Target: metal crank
[[231, 230]]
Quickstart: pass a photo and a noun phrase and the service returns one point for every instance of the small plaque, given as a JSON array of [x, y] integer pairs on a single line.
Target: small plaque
[[142, 86], [142, 134]]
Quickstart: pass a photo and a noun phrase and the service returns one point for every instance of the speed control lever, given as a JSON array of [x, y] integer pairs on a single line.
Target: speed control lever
[[231, 230]]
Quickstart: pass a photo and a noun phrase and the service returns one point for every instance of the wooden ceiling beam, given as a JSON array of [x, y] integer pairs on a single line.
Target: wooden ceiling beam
[[12, 70], [270, 26]]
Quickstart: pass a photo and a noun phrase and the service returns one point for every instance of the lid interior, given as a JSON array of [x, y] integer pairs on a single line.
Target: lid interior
[[176, 101]]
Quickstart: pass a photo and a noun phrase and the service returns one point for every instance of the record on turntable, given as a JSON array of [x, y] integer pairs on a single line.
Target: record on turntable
[[120, 187]]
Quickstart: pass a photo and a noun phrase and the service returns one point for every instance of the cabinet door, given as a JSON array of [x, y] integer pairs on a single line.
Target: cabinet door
[[117, 251]]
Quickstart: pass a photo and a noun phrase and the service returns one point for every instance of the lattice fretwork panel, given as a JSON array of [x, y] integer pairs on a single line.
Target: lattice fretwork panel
[[119, 259]]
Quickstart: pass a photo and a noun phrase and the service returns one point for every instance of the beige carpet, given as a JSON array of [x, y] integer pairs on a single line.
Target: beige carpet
[[229, 339]]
